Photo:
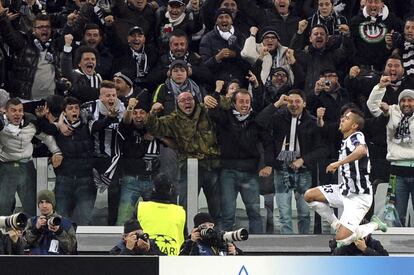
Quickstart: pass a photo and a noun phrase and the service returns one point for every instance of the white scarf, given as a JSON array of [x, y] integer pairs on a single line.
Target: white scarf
[[226, 35], [241, 117], [11, 128], [177, 21], [71, 125]]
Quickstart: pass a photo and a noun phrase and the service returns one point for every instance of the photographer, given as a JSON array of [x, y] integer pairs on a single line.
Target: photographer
[[328, 94], [208, 245], [11, 242], [49, 233], [135, 241]]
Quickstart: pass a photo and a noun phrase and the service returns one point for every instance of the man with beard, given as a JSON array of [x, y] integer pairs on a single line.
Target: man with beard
[[175, 17], [192, 130], [85, 81], [178, 43], [400, 149], [139, 161], [354, 194], [403, 45], [318, 57], [270, 54], [369, 30], [242, 16], [104, 116], [17, 172], [74, 189], [137, 57], [125, 87], [198, 246], [220, 49], [297, 145], [34, 59], [279, 85]]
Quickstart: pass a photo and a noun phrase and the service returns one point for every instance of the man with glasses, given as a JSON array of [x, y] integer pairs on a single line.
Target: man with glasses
[[190, 127], [268, 54], [34, 64]]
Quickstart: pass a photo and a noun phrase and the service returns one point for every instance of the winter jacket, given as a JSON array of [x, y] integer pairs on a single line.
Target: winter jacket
[[77, 151], [228, 68], [314, 61], [309, 135], [395, 151], [39, 240], [20, 147], [250, 53], [239, 141], [194, 135], [24, 59]]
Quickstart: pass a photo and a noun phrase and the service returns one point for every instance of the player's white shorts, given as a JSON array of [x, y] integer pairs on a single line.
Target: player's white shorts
[[355, 205]]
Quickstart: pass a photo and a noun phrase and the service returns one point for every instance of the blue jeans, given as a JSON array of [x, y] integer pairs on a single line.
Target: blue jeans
[[132, 187], [20, 177], [233, 182], [208, 180], [75, 196], [405, 187], [287, 182]]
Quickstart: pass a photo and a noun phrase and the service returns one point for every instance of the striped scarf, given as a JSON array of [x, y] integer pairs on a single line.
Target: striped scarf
[[408, 57], [402, 133], [95, 79]]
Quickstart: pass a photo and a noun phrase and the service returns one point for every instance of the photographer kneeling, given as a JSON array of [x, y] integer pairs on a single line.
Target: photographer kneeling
[[135, 241], [50, 233], [11, 241], [206, 241]]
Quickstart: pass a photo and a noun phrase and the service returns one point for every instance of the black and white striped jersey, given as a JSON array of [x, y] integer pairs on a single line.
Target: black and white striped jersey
[[354, 175]]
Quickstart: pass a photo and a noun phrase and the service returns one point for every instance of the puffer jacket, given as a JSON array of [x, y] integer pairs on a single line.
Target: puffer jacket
[[24, 59]]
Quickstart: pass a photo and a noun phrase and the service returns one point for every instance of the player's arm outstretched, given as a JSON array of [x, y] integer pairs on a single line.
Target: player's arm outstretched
[[359, 152]]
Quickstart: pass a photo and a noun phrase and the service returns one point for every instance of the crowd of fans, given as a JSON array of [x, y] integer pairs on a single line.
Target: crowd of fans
[[119, 91]]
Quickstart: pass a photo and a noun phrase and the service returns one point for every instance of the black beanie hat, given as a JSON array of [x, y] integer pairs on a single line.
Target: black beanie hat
[[269, 30], [144, 101], [126, 75], [131, 225], [223, 11], [201, 218]]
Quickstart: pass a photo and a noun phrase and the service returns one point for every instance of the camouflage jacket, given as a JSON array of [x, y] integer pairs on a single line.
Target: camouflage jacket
[[194, 135]]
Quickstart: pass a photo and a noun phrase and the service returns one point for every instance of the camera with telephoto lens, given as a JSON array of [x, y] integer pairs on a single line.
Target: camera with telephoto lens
[[54, 221], [142, 236], [224, 236], [16, 221]]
